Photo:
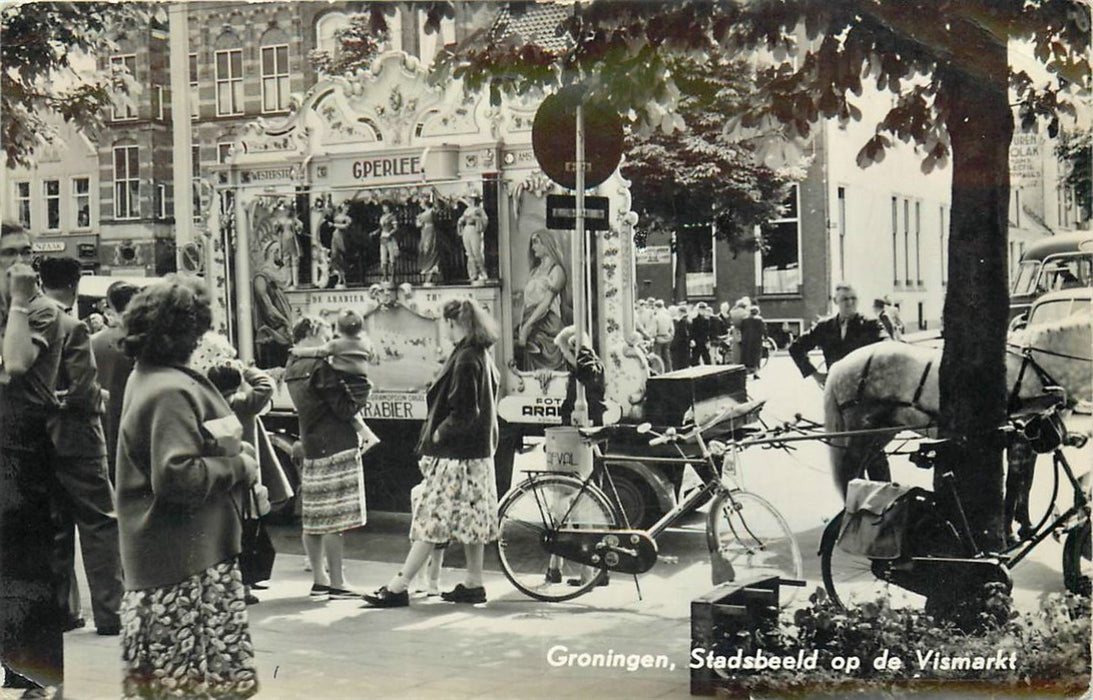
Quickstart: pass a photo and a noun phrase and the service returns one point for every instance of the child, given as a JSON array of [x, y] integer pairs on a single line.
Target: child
[[349, 354], [431, 570]]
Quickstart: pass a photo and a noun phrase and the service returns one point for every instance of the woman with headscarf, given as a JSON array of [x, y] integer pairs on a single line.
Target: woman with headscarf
[[546, 306]]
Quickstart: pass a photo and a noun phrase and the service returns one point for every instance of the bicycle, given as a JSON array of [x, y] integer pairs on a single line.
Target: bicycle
[[560, 535], [939, 571]]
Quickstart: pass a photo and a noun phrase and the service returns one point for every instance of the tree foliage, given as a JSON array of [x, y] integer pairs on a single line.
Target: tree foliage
[[944, 64], [701, 173], [41, 45], [358, 43], [1076, 150]]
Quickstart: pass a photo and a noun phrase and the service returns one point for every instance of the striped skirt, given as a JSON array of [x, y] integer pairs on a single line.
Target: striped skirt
[[332, 489]]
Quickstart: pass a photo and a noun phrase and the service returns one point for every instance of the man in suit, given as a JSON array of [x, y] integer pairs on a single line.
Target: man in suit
[[85, 498], [113, 365], [837, 335]]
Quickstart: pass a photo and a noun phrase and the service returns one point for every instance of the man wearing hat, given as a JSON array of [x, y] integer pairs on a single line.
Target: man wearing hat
[[85, 498]]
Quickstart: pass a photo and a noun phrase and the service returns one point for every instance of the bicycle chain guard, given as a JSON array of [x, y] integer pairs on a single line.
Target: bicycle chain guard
[[625, 551]]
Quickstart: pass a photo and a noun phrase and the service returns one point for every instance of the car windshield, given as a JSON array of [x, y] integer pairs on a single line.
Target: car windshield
[[1065, 272], [1026, 277]]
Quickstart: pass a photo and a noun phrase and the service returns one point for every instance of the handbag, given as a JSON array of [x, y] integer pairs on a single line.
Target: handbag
[[257, 553]]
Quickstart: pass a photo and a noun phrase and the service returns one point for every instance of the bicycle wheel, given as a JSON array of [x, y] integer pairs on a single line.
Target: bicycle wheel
[[849, 577], [1077, 551], [532, 510], [751, 535]]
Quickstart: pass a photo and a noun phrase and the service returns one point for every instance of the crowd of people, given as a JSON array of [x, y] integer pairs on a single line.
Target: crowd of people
[[691, 334], [146, 437]]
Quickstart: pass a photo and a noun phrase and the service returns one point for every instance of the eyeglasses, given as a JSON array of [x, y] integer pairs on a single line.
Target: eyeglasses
[[16, 252]]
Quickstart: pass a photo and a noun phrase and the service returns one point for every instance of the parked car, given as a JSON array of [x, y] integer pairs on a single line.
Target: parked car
[[1064, 261]]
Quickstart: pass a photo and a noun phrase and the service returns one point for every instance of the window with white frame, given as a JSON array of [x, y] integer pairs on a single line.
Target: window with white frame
[[275, 87], [918, 243], [895, 241], [159, 108], [431, 44], [22, 203], [907, 242], [124, 108], [51, 193], [126, 183], [694, 244], [195, 179], [229, 81], [326, 32], [81, 201], [161, 201], [195, 106], [780, 263]]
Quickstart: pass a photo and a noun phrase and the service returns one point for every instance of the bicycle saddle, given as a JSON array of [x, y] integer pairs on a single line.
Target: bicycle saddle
[[603, 433]]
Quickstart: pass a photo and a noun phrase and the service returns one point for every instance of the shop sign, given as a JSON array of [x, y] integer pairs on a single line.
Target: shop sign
[[396, 405], [386, 167], [653, 255], [522, 408], [49, 247], [285, 173]]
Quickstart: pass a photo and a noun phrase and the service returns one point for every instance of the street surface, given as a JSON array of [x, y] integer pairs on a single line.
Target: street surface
[[500, 649]]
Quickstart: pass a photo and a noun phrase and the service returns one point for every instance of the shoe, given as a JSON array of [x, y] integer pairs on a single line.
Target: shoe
[[251, 599], [343, 594], [319, 592], [462, 594], [74, 623], [384, 598], [553, 575], [259, 586], [111, 630]]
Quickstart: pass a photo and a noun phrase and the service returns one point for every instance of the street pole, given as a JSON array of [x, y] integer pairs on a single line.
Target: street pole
[[580, 406], [244, 316], [180, 124]]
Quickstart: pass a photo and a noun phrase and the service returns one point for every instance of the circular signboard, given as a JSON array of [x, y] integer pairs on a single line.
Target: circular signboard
[[554, 136]]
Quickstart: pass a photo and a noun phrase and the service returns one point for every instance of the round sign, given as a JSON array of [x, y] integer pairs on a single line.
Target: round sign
[[554, 136]]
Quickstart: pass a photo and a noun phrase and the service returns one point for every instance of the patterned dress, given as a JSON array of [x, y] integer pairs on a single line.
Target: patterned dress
[[190, 639], [458, 502]]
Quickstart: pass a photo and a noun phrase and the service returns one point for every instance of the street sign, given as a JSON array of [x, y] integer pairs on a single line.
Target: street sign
[[561, 212], [554, 139]]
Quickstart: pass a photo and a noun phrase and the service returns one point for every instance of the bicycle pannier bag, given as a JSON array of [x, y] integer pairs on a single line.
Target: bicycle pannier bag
[[876, 523]]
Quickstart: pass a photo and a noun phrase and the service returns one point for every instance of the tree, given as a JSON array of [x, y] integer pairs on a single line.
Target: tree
[[41, 46], [946, 65], [702, 173], [359, 42], [1076, 150]]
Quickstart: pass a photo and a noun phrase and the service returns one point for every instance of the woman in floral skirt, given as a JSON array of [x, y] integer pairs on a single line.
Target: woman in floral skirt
[[457, 443], [181, 475]]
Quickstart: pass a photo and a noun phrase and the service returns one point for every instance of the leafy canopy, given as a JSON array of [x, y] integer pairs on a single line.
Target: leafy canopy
[[41, 46]]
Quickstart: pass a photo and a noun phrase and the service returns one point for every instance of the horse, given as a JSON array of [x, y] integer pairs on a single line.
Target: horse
[[895, 384]]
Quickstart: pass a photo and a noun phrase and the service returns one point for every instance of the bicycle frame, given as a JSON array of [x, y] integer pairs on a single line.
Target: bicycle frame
[[1043, 530]]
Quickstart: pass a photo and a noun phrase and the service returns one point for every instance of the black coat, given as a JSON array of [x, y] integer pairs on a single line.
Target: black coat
[[462, 419], [826, 335]]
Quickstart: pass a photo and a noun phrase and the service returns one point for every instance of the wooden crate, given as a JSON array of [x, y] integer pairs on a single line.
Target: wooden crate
[[704, 390], [720, 619]]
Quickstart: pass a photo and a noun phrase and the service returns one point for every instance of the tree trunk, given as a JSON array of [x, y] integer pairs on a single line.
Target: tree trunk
[[972, 373]]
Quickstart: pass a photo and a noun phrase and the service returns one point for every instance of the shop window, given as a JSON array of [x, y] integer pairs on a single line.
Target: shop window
[[51, 192], [229, 82], [275, 84], [81, 201], [780, 262], [695, 246], [22, 203], [126, 182]]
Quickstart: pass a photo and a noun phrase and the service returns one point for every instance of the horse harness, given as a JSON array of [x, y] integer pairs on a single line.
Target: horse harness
[[914, 403]]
